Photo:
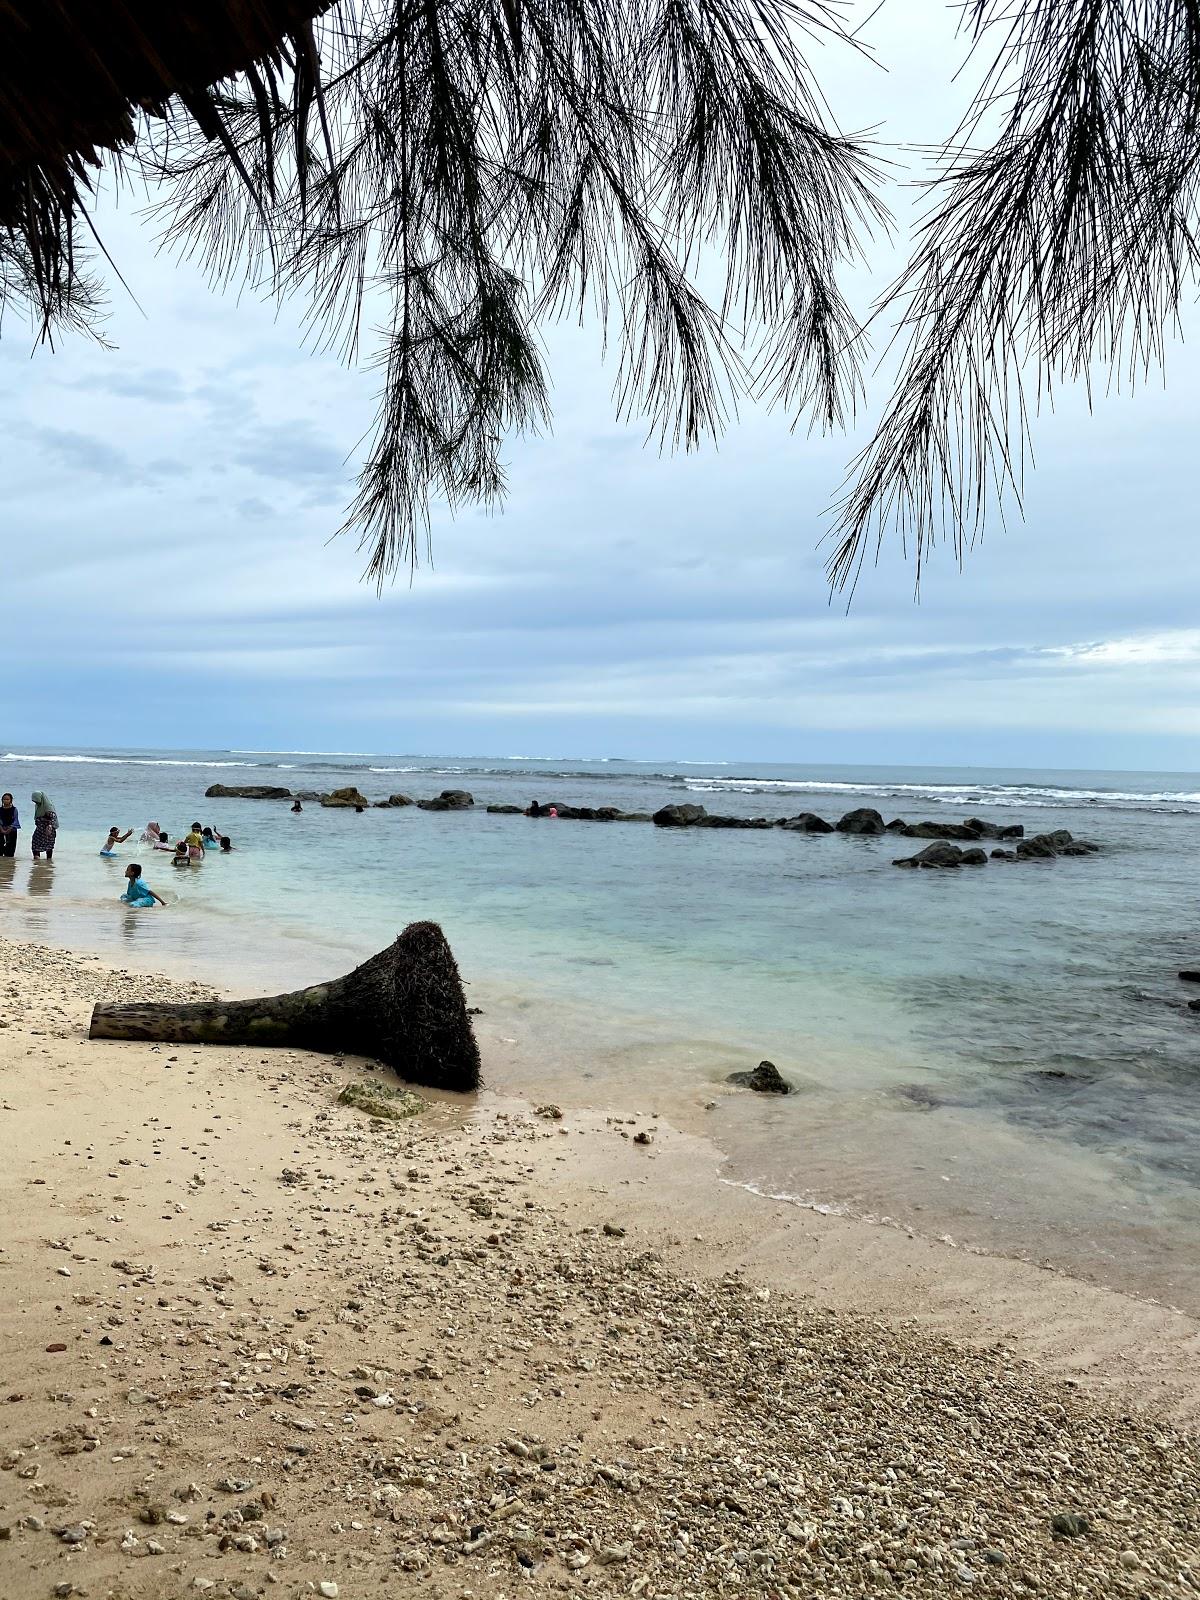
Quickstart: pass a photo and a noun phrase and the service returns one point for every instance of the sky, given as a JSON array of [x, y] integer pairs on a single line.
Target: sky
[[169, 580]]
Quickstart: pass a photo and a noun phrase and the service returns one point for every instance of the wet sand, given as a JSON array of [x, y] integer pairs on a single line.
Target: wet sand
[[253, 1342]]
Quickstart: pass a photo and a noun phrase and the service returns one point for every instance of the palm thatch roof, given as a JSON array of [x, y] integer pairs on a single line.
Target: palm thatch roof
[[76, 78]]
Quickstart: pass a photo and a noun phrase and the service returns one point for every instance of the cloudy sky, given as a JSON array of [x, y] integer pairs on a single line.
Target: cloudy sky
[[167, 578]]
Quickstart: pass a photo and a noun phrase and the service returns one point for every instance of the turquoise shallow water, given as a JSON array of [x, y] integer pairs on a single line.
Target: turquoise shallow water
[[1002, 1056]]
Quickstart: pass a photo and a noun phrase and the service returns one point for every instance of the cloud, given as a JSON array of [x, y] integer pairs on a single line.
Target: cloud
[[1177, 646], [158, 384], [78, 452], [292, 451]]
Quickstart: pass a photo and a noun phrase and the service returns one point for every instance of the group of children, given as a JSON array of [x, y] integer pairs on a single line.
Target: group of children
[[186, 852]]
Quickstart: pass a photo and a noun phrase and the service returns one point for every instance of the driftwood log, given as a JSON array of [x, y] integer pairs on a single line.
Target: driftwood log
[[405, 1007]]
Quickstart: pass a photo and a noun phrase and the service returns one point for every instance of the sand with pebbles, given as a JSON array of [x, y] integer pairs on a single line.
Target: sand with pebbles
[[254, 1342]]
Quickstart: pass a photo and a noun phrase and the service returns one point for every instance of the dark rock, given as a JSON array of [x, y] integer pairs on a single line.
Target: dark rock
[[1044, 846], [1004, 855], [735, 822], [506, 811], [864, 820], [1190, 975], [941, 854], [635, 816], [1038, 848], [805, 822], [993, 830], [1069, 1525], [348, 797], [896, 825], [398, 800], [685, 816], [246, 791], [765, 1079], [974, 858], [938, 830], [448, 800]]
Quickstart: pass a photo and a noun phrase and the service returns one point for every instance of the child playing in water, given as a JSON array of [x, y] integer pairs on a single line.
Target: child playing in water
[[115, 837], [139, 893], [182, 857]]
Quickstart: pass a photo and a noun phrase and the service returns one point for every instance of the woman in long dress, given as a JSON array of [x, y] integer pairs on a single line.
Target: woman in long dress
[[45, 826]]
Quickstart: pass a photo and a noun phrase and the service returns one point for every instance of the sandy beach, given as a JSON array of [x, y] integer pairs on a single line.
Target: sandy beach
[[256, 1342]]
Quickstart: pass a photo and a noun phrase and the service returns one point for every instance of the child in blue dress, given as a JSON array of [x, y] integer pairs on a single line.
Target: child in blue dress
[[139, 893]]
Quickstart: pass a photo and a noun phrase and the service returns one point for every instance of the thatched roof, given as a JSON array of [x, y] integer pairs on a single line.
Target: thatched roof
[[74, 78]]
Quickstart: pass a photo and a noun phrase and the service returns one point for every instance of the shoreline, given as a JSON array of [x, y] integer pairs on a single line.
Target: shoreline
[[252, 1338], [866, 1234]]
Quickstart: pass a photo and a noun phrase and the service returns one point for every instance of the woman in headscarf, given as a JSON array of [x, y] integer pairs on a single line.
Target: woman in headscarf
[[45, 826], [10, 824], [151, 834]]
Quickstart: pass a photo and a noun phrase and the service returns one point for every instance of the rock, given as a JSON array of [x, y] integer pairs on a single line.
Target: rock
[[1069, 1525], [765, 1079], [896, 825], [448, 800], [735, 822], [864, 820], [805, 822], [381, 1101], [941, 855], [939, 830], [974, 858], [1045, 846], [505, 811], [329, 1590], [972, 828], [685, 816], [1004, 855], [1190, 975], [246, 791], [349, 797], [393, 801], [76, 1534], [993, 830], [643, 1136]]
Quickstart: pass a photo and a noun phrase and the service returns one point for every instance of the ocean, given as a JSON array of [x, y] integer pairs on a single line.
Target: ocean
[[999, 1057]]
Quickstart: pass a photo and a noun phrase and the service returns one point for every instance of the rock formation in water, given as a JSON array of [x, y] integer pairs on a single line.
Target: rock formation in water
[[863, 820], [765, 1079], [448, 800], [346, 798], [246, 791], [805, 822]]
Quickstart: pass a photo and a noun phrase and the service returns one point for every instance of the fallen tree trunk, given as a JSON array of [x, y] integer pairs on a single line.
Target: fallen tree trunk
[[405, 1006]]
